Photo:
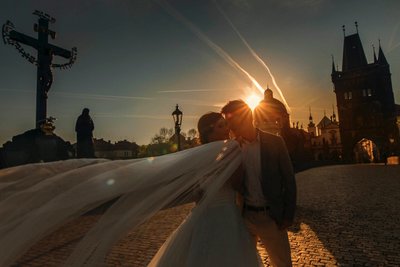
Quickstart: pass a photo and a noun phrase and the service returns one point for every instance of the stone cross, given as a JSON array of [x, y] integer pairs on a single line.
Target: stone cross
[[45, 53]]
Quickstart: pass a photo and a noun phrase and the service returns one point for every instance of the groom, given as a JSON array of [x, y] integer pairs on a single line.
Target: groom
[[269, 187]]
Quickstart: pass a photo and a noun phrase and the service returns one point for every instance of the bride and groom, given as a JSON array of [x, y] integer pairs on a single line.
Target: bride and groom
[[223, 235], [36, 199]]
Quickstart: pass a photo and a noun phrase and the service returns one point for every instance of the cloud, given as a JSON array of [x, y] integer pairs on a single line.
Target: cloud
[[240, 3], [190, 102], [205, 39], [83, 96], [138, 116], [15, 90], [300, 3], [101, 97], [191, 91], [392, 42], [292, 4]]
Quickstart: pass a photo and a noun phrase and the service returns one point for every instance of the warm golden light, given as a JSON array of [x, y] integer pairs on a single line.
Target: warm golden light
[[253, 100]]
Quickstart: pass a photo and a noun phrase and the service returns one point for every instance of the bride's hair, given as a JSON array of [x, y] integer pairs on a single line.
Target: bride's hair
[[206, 125]]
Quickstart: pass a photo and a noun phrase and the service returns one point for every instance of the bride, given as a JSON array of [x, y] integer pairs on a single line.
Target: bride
[[36, 199], [215, 236]]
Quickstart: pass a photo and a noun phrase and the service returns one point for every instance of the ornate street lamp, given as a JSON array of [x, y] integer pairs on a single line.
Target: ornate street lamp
[[177, 116]]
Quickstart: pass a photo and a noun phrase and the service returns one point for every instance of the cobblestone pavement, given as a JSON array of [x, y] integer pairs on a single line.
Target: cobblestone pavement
[[347, 216]]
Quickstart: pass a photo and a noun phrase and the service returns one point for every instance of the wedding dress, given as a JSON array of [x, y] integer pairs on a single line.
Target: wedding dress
[[36, 199], [215, 236]]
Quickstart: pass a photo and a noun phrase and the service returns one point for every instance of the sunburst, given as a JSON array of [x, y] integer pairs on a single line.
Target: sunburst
[[253, 100]]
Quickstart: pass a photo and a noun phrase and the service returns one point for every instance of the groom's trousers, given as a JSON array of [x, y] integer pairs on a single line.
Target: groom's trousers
[[276, 241]]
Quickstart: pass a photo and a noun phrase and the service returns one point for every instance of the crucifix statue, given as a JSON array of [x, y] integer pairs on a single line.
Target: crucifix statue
[[44, 60]]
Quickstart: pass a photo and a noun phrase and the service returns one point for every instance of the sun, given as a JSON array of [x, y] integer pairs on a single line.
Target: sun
[[253, 100]]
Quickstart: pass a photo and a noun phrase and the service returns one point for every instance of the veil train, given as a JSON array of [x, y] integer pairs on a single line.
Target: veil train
[[36, 199]]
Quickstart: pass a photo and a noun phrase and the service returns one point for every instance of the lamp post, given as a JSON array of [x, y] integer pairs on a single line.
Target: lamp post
[[177, 116]]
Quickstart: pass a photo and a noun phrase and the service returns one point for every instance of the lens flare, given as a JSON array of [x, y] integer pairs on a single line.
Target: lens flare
[[253, 100], [254, 54], [173, 148]]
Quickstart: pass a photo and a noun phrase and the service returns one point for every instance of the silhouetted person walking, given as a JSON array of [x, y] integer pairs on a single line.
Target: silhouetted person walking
[[84, 135]]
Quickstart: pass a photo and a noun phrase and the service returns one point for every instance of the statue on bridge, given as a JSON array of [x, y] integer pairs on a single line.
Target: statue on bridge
[[40, 144], [44, 60], [84, 135]]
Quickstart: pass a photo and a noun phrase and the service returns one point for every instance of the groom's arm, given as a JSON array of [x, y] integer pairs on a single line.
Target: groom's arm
[[237, 179]]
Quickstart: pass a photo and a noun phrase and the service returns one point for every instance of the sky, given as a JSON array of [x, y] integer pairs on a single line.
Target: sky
[[137, 59]]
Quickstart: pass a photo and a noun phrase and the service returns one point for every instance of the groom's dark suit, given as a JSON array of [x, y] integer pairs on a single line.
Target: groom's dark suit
[[278, 181], [269, 187], [278, 187]]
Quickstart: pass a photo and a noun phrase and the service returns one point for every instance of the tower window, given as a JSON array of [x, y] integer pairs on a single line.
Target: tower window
[[367, 92], [348, 95]]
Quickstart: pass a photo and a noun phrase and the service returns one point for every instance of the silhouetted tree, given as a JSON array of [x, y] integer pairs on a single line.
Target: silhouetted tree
[[163, 136], [192, 134]]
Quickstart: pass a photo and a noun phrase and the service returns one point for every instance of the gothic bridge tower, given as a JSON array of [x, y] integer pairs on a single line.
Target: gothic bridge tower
[[365, 100]]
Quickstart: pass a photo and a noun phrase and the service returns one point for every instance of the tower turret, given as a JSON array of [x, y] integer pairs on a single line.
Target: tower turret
[[381, 57], [311, 125], [353, 52]]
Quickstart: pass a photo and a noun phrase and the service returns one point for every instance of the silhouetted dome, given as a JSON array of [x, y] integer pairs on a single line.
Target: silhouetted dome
[[272, 104], [268, 94], [271, 115]]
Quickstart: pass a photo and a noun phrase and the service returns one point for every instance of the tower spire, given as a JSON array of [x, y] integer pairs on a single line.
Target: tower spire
[[356, 23], [344, 30], [381, 57], [333, 65], [353, 52], [311, 125], [373, 48]]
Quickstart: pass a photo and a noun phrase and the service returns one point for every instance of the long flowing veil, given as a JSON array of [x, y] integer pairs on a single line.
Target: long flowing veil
[[37, 199]]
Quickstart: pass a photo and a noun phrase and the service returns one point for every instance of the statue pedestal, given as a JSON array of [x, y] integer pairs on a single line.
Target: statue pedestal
[[34, 146]]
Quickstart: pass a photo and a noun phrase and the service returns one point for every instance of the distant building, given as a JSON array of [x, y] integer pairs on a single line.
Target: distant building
[[369, 118], [103, 149], [271, 115], [120, 150], [325, 138], [320, 142], [125, 150], [365, 102]]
